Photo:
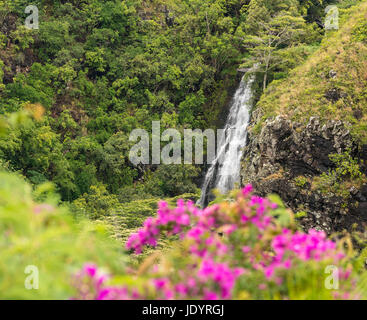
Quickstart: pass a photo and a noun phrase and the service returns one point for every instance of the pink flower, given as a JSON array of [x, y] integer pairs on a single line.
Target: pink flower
[[195, 233], [160, 283], [90, 269], [269, 271], [213, 265], [262, 286], [181, 289], [229, 228], [246, 249], [244, 218], [43, 207], [247, 190], [209, 295]]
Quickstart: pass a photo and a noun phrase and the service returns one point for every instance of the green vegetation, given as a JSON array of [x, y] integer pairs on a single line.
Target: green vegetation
[[100, 69], [301, 181], [331, 83], [124, 217], [103, 68], [340, 180], [46, 236], [275, 34], [72, 92]]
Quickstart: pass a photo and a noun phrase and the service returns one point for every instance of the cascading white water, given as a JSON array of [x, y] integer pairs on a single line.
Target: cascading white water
[[224, 173]]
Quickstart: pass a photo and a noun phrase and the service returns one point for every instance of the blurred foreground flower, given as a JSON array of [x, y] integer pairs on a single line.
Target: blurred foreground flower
[[231, 250]]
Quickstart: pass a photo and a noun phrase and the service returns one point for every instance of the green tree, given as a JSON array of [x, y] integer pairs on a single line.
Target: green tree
[[272, 26], [115, 166]]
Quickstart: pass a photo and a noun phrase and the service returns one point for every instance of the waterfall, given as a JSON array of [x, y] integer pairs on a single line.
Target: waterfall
[[224, 172]]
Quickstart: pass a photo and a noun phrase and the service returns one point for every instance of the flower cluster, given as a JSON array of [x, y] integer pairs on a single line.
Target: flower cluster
[[226, 249], [90, 284], [220, 274], [172, 220], [301, 246]]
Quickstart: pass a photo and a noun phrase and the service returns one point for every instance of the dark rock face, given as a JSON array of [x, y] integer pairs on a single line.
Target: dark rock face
[[284, 151], [333, 95]]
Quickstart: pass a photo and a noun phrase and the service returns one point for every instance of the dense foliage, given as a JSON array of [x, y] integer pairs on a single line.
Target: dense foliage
[[103, 68], [71, 93], [43, 235], [248, 248], [331, 83]]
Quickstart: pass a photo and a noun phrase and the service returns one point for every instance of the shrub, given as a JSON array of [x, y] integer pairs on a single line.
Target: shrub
[[347, 172], [245, 249], [46, 236], [301, 181], [360, 32]]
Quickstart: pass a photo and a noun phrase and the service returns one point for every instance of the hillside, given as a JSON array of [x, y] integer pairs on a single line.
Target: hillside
[[96, 70], [183, 150], [308, 136], [331, 84]]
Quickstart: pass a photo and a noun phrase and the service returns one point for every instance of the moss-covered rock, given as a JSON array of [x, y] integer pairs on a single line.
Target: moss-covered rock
[[315, 169]]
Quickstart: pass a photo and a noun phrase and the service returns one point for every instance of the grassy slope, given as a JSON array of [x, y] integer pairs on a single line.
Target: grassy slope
[[129, 217], [304, 93]]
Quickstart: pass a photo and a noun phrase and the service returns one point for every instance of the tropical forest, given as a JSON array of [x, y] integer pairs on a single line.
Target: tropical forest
[[183, 150]]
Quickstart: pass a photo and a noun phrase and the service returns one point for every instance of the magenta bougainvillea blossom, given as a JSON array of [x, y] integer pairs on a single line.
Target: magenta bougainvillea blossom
[[91, 284], [227, 247]]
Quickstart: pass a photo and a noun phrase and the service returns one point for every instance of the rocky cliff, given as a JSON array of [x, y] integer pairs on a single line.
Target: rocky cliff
[[308, 141], [288, 158]]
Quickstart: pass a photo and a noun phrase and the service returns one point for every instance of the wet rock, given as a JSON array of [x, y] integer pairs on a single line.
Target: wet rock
[[358, 114], [354, 191], [285, 151], [333, 95], [364, 190], [362, 209], [332, 74]]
